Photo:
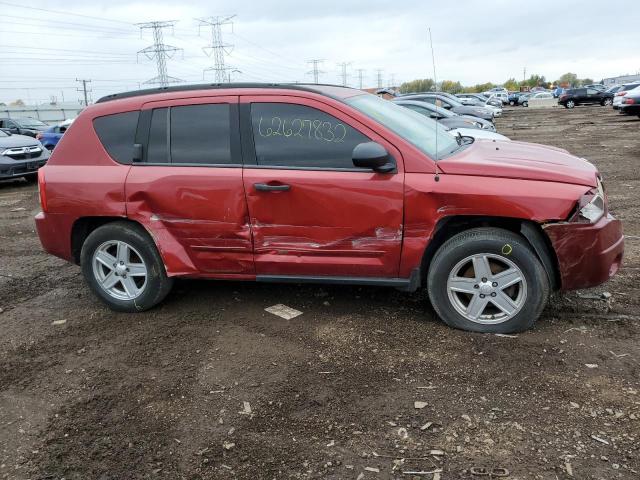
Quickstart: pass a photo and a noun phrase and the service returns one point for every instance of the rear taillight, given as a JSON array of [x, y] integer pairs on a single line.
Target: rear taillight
[[563, 96], [619, 94], [629, 101], [42, 190]]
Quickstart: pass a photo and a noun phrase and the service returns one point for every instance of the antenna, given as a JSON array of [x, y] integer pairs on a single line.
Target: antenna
[[435, 79]]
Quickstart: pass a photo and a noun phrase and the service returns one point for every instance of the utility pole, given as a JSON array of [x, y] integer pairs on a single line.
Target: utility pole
[[524, 74], [379, 77], [315, 71], [343, 72], [393, 80], [217, 49], [159, 51], [83, 89], [360, 77]]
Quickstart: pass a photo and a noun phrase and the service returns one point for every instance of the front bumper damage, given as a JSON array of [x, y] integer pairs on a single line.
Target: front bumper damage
[[588, 253]]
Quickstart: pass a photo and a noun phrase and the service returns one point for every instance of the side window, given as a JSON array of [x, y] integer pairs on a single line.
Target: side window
[[117, 134], [592, 91], [288, 135], [201, 134], [157, 151]]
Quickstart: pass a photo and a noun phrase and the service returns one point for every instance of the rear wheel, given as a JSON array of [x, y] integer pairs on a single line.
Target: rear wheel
[[570, 104], [512, 103], [122, 266], [487, 280], [607, 102], [525, 104]]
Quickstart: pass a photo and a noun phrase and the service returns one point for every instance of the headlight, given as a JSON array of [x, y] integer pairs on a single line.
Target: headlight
[[593, 204]]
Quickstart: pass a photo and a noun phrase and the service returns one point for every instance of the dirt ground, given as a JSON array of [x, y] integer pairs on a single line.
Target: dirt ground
[[86, 393]]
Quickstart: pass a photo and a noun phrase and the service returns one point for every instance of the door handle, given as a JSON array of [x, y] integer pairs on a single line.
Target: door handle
[[264, 187]]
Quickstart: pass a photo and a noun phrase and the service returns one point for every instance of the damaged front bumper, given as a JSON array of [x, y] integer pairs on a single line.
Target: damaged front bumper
[[588, 253]]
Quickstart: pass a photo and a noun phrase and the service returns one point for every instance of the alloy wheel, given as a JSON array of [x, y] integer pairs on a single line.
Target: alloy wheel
[[487, 288], [120, 270]]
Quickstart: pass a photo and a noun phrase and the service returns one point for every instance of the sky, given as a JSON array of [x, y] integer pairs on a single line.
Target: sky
[[45, 45]]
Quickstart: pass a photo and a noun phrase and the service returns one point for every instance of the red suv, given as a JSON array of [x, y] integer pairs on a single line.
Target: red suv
[[322, 184]]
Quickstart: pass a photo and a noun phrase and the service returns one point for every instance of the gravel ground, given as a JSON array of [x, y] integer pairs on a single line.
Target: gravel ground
[[86, 393]]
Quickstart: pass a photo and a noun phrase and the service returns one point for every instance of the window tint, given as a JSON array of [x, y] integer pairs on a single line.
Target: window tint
[[290, 135], [157, 151], [592, 91], [422, 111], [117, 134], [201, 134]]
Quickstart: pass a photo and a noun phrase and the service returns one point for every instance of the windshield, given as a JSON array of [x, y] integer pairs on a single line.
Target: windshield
[[423, 132], [29, 122]]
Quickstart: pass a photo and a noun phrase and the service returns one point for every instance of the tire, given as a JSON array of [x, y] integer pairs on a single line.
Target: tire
[[607, 102], [453, 269], [570, 104], [133, 250], [512, 103], [525, 104]]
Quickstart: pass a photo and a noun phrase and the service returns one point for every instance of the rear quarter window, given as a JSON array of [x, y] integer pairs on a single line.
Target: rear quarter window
[[117, 134]]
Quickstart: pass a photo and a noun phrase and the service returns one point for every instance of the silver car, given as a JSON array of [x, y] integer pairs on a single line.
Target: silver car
[[20, 156]]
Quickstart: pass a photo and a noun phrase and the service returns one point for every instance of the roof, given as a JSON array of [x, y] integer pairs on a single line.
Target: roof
[[335, 91]]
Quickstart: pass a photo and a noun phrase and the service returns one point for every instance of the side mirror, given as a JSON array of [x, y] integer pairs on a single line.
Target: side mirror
[[374, 156]]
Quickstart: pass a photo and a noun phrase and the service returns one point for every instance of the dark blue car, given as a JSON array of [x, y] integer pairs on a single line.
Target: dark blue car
[[52, 135]]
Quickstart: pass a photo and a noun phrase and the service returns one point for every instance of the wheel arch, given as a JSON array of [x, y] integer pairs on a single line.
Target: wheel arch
[[83, 227], [531, 231]]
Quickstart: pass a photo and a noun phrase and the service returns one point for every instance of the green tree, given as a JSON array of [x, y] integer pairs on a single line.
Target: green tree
[[536, 81], [451, 86], [17, 103], [512, 85], [419, 85], [586, 81], [480, 87], [568, 79]]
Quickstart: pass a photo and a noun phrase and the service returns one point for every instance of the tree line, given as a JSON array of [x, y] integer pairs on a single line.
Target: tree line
[[427, 84]]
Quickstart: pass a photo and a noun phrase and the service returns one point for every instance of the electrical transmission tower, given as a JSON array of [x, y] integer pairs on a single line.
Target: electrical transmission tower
[[360, 77], [343, 72], [379, 77], [84, 89], [393, 80], [160, 52], [315, 71], [217, 49]]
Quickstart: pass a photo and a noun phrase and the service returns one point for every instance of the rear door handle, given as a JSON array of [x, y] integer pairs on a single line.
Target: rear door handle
[[264, 187]]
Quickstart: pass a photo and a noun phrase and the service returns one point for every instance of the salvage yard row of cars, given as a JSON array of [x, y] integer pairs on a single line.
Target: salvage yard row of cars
[[322, 184]]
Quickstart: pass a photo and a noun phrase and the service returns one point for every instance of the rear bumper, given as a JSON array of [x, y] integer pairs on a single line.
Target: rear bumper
[[588, 254], [55, 234]]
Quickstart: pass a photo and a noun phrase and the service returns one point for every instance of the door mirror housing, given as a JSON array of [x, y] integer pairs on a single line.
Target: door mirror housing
[[374, 156]]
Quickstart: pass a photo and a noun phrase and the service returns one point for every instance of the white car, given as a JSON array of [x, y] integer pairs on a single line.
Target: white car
[[502, 96], [618, 97], [477, 133], [541, 99]]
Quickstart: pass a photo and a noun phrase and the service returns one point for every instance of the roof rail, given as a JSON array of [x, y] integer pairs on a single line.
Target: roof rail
[[213, 86]]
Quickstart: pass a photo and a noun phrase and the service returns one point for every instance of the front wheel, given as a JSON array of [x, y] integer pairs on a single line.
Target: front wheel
[[512, 103], [487, 280], [122, 266], [607, 102], [570, 104], [525, 104]]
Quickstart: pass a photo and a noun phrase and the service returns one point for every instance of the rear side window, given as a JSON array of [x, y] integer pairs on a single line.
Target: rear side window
[[201, 134], [288, 135], [117, 134], [190, 135]]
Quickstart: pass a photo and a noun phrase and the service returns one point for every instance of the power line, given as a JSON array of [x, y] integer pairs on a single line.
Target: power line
[[217, 48], [160, 51], [59, 12], [379, 77], [343, 72], [84, 89], [315, 71], [360, 77]]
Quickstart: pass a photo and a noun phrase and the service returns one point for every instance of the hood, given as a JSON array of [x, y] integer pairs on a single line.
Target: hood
[[18, 141], [479, 133], [520, 160]]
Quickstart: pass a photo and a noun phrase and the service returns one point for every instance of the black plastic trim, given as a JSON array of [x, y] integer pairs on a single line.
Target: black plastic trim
[[403, 283]]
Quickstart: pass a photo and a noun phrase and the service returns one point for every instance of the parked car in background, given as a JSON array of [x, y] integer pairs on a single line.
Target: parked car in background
[[451, 104], [23, 126], [330, 185], [502, 96], [20, 156], [52, 135], [541, 99], [479, 100], [585, 96], [631, 103], [513, 98], [524, 99], [597, 86], [613, 89], [622, 91], [446, 117], [558, 91]]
